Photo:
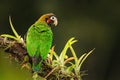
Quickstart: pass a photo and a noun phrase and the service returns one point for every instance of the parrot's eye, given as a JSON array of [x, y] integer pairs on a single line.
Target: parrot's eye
[[53, 18]]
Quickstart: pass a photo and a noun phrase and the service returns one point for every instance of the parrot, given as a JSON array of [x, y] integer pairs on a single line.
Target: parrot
[[39, 39]]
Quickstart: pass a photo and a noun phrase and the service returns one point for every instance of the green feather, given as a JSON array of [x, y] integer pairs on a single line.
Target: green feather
[[38, 42]]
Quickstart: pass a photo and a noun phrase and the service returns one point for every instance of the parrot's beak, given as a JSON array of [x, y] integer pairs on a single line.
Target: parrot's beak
[[55, 22]]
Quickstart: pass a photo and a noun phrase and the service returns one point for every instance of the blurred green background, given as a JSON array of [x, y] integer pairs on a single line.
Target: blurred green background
[[94, 23]]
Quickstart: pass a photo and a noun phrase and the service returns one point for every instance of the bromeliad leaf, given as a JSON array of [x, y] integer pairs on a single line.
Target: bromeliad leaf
[[16, 37], [64, 51]]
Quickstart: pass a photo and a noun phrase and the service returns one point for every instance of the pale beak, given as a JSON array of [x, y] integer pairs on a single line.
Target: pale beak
[[55, 22]]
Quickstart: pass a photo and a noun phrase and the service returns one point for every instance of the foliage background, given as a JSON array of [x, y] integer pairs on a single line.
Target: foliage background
[[95, 23]]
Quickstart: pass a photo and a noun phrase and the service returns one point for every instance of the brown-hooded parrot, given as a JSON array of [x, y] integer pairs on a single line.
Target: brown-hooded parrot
[[39, 39]]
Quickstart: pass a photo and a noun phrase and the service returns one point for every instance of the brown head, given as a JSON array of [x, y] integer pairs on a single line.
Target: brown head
[[49, 18]]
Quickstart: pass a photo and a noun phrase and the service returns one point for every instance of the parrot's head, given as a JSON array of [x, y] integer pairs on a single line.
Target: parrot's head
[[49, 18]]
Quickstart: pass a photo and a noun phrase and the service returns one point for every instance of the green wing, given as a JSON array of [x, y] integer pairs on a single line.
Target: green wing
[[39, 40]]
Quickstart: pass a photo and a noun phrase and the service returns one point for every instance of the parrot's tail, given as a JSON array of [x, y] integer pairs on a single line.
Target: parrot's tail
[[36, 63], [36, 67]]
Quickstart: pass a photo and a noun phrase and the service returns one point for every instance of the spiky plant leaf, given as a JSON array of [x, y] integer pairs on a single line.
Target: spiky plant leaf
[[16, 37]]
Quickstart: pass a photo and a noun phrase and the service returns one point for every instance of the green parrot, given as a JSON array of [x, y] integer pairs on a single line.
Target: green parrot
[[39, 39]]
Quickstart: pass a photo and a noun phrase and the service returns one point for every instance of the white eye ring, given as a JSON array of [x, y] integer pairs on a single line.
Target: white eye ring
[[53, 18]]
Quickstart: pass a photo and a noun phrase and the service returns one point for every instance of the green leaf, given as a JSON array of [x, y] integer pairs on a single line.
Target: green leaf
[[13, 29], [85, 58], [9, 36], [64, 51], [16, 37]]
